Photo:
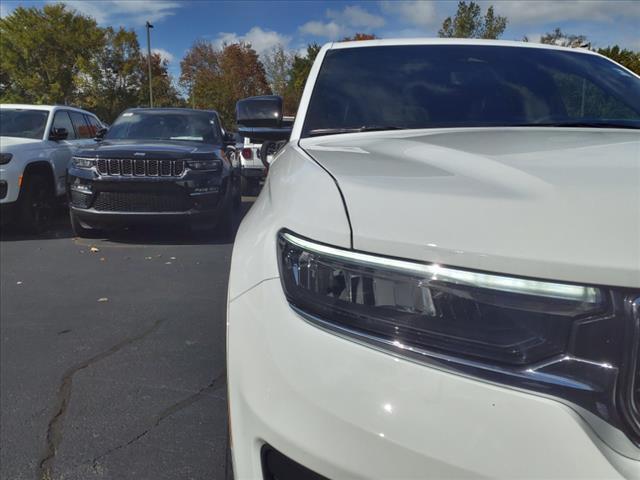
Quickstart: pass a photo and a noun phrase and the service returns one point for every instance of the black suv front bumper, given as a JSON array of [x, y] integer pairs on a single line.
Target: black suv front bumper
[[107, 200]]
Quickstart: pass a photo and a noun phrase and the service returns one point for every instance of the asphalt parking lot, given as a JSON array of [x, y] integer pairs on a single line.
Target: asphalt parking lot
[[112, 355]]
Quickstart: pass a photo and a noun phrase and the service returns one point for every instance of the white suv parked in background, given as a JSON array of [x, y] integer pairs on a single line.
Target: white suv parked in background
[[36, 145], [441, 276]]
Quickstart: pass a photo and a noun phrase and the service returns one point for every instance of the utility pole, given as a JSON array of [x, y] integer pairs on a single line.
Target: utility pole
[[149, 26]]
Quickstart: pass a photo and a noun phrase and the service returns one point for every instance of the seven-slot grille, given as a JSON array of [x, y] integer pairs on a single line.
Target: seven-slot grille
[[140, 167]]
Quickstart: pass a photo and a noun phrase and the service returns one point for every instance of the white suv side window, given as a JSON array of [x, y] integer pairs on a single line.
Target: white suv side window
[[62, 120]]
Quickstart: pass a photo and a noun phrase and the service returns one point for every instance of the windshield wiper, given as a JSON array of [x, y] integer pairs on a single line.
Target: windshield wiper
[[583, 124], [366, 128]]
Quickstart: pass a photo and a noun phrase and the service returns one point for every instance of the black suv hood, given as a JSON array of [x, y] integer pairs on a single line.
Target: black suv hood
[[156, 149]]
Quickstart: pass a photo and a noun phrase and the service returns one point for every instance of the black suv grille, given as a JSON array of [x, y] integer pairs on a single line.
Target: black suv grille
[[140, 202], [79, 199], [141, 167]]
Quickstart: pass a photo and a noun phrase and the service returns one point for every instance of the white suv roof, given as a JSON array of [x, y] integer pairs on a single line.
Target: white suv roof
[[48, 108], [452, 41]]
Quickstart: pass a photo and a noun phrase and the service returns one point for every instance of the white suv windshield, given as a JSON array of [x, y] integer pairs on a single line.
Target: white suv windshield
[[16, 122], [431, 86]]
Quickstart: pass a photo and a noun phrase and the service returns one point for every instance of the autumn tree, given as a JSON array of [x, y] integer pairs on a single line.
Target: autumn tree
[[45, 52], [116, 75], [468, 22], [559, 38], [360, 36], [165, 93], [219, 78]]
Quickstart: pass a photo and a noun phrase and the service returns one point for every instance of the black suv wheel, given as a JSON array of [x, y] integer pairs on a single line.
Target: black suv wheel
[[36, 203]]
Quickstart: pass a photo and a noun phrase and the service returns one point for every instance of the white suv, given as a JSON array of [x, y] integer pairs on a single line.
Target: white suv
[[36, 145], [441, 276]]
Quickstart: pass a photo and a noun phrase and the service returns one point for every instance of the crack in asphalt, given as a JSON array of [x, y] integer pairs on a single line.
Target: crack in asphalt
[[54, 428], [218, 382]]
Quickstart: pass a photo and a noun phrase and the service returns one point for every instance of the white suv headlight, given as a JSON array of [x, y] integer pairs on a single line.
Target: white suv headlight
[[5, 158], [576, 342]]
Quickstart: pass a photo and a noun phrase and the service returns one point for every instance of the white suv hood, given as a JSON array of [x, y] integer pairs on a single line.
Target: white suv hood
[[552, 203], [11, 144]]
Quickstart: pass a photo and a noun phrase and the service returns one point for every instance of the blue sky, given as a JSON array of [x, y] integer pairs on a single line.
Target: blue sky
[[295, 24]]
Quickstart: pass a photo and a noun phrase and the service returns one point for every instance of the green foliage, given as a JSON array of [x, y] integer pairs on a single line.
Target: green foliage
[[116, 75], [277, 65], [55, 55], [627, 58], [164, 92], [557, 37], [44, 53], [299, 72], [468, 22]]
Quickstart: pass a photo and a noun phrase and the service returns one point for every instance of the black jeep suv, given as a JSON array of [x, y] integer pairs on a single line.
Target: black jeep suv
[[154, 164]]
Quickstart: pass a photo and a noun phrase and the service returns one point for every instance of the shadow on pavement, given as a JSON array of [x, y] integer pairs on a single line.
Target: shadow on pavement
[[176, 234]]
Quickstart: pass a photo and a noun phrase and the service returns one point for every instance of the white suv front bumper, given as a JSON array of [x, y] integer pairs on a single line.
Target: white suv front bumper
[[345, 410], [11, 174]]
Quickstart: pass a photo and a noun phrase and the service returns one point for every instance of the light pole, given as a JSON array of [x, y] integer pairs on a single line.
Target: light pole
[[149, 26]]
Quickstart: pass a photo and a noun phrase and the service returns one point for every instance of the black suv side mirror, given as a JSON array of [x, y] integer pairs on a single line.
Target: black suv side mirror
[[261, 117], [58, 134], [100, 134]]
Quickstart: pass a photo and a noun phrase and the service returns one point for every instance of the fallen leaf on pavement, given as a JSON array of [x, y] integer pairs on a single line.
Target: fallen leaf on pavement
[[103, 299], [94, 249]]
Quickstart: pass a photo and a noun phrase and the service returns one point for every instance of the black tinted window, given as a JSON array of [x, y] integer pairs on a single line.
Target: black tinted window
[[423, 86], [17, 122], [62, 120], [167, 125]]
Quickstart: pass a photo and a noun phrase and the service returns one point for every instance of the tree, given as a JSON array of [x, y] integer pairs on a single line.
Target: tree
[[277, 66], [628, 58], [198, 68], [219, 78], [164, 92], [469, 23], [557, 37], [45, 52], [115, 81], [360, 36], [299, 72]]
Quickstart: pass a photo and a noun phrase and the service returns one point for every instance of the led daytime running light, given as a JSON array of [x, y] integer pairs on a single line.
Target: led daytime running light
[[436, 272]]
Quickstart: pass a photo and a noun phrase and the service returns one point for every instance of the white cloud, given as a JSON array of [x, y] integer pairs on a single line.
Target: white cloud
[[355, 16], [261, 40], [125, 12], [330, 30], [417, 12], [546, 11], [164, 54]]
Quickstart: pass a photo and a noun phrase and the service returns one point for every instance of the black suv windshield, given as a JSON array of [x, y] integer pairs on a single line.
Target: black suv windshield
[[185, 125], [17, 122], [431, 86]]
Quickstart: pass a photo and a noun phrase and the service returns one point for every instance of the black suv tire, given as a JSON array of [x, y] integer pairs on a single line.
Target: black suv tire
[[36, 202], [80, 230]]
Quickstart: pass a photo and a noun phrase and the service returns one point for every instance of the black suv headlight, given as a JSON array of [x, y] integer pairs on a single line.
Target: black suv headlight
[[556, 338], [211, 165]]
